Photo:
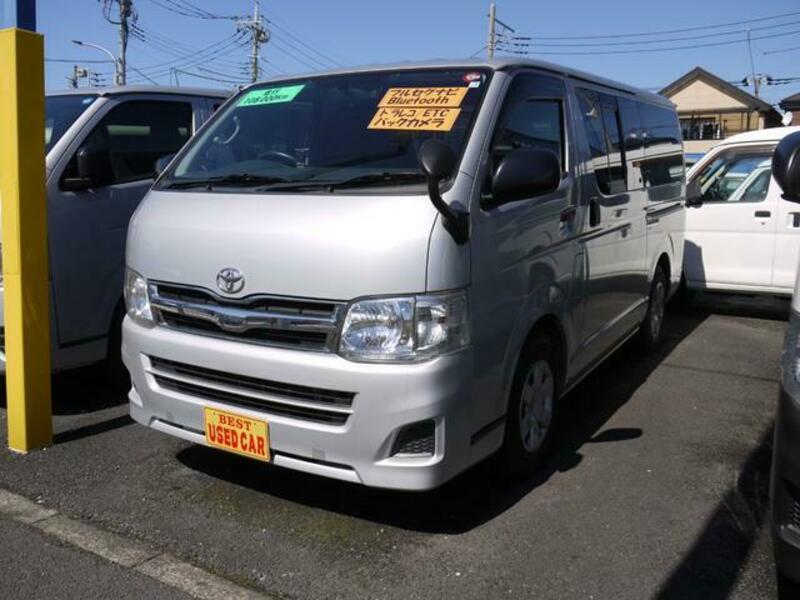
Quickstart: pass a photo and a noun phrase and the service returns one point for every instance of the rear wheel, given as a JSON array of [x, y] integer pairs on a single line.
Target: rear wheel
[[531, 414], [652, 327]]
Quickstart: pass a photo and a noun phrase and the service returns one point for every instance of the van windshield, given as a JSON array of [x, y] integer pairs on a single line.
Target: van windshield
[[60, 112], [332, 132]]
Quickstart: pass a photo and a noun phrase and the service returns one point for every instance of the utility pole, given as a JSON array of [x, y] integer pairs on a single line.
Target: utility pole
[[78, 73], [126, 14], [259, 34], [492, 41], [756, 80]]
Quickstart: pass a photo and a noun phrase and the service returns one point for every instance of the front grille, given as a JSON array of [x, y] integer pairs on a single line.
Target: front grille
[[259, 319], [272, 397], [417, 439], [793, 516]]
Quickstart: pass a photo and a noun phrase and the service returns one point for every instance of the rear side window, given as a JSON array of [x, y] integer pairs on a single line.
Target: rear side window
[[137, 133], [602, 123], [633, 133], [663, 164]]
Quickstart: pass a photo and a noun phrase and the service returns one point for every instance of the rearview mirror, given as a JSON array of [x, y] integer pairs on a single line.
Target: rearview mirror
[[94, 170], [694, 194], [437, 161], [524, 173], [786, 167], [162, 164]]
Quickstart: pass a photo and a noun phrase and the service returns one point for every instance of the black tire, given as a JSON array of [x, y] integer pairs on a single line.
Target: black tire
[[652, 328], [518, 458], [115, 372]]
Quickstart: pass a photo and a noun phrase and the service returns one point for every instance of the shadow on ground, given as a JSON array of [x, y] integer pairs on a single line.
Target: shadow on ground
[[474, 497], [79, 391]]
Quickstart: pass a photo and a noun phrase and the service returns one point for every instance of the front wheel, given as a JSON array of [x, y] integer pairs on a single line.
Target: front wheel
[[530, 418], [652, 327]]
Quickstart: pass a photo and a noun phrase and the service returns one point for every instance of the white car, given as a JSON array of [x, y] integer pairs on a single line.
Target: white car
[[743, 237]]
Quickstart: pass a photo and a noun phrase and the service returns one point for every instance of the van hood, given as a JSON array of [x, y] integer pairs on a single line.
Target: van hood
[[333, 247]]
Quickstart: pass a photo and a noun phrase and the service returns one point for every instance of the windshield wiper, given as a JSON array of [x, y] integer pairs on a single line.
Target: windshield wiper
[[237, 179], [353, 182]]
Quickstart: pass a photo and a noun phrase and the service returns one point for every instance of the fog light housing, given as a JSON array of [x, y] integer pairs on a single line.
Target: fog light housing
[[416, 440]]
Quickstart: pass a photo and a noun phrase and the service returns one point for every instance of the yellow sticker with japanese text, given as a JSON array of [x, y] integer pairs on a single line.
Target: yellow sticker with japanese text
[[415, 119], [424, 97]]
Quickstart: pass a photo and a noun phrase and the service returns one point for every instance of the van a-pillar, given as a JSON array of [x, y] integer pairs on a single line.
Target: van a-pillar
[[24, 227]]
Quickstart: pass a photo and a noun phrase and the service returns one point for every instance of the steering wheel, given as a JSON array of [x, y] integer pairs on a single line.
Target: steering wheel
[[277, 156]]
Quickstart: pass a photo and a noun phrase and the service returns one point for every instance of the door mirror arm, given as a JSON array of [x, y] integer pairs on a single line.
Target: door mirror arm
[[437, 162]]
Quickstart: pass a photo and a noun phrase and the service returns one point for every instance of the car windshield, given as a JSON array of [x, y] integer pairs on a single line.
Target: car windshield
[[332, 132], [60, 112]]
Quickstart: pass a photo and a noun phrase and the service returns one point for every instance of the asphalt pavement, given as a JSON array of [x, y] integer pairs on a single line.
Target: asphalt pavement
[[657, 489]]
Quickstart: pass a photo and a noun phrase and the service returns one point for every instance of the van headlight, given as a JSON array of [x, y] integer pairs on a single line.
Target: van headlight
[[407, 328], [137, 300]]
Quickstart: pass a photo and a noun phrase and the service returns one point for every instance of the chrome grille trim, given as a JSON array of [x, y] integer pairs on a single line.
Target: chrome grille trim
[[257, 319], [291, 400]]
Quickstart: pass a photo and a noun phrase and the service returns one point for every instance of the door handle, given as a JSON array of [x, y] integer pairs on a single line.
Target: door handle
[[763, 214], [567, 214]]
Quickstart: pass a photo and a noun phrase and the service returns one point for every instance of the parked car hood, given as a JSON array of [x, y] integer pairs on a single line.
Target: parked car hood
[[330, 246]]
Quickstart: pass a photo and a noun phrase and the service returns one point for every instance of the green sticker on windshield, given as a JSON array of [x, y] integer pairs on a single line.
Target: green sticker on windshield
[[271, 95]]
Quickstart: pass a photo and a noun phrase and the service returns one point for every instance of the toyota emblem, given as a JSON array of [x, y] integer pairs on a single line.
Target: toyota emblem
[[230, 280]]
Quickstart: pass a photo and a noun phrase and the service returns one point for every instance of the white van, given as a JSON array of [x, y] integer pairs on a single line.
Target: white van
[[386, 275], [102, 145], [743, 237]]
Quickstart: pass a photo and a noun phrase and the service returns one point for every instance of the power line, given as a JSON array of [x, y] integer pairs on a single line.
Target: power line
[[75, 60], [199, 58], [649, 50], [536, 43], [781, 50], [304, 44], [186, 9], [669, 31]]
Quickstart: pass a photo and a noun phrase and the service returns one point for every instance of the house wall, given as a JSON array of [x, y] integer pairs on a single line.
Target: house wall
[[698, 146], [699, 96]]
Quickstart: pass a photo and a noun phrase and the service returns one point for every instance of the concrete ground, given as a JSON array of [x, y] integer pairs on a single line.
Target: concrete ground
[[657, 489]]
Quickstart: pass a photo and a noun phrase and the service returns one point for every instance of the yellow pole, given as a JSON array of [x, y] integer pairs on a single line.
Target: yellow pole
[[24, 227]]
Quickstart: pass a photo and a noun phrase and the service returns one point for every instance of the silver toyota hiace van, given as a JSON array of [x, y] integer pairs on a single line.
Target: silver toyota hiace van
[[102, 144], [386, 275]]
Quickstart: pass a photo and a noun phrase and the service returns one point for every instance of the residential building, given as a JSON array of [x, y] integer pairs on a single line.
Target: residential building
[[711, 109]]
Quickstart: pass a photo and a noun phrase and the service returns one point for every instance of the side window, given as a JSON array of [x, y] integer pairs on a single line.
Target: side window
[[596, 136], [601, 119], [631, 125], [663, 164], [136, 134], [532, 117], [742, 176], [617, 173]]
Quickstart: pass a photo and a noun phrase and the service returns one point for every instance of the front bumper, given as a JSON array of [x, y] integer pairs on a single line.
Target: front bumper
[[785, 487], [387, 398]]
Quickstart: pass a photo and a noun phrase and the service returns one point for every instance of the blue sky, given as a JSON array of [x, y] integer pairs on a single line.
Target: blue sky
[[352, 32]]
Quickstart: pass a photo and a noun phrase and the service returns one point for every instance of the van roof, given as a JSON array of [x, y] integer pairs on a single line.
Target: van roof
[[496, 64], [142, 89], [773, 134]]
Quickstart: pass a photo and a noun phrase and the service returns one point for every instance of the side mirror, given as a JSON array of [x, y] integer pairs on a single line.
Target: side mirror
[[694, 194], [162, 164], [437, 161], [524, 173], [786, 167], [94, 170]]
